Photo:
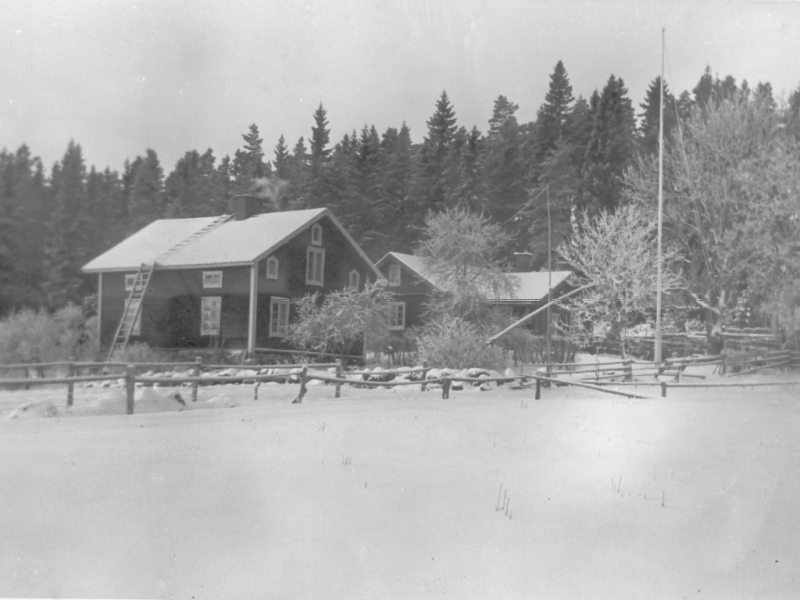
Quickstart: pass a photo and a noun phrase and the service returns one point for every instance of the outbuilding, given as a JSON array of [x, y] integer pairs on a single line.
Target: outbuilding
[[412, 286]]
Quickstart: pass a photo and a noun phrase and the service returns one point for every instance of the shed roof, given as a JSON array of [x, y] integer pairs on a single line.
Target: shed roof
[[533, 286], [182, 243]]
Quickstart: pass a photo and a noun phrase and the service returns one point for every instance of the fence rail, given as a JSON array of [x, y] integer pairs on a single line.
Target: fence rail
[[307, 372]]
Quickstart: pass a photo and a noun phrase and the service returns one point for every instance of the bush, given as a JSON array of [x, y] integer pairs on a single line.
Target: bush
[[455, 343], [30, 336], [138, 352]]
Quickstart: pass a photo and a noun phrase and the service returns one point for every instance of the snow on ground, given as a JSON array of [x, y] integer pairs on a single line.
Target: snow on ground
[[383, 494]]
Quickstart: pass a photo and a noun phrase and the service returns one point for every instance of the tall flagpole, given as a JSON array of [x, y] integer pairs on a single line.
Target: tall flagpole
[[549, 274], [658, 356]]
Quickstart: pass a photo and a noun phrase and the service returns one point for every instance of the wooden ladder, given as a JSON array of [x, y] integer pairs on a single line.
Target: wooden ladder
[[133, 308], [188, 240]]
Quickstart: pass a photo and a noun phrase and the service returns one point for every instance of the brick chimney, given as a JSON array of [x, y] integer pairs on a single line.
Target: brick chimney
[[523, 262], [245, 206]]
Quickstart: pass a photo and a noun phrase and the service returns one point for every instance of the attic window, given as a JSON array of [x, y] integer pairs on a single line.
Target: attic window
[[355, 279], [316, 235], [394, 275], [212, 279], [272, 268], [130, 280]]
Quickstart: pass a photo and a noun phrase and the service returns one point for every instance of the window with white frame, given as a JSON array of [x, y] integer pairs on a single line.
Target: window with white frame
[[133, 309], [394, 275], [212, 279], [316, 235], [278, 317], [315, 266], [210, 315], [355, 279], [272, 268], [130, 281], [397, 316]]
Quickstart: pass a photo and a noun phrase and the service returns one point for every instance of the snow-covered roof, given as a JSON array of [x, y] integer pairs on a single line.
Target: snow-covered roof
[[182, 243], [532, 285]]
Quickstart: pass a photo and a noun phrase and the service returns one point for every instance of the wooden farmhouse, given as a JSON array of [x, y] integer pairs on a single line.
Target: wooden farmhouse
[[412, 286], [224, 281]]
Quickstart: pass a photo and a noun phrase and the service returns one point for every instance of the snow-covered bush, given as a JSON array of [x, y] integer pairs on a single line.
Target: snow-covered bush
[[138, 352], [452, 342], [29, 336]]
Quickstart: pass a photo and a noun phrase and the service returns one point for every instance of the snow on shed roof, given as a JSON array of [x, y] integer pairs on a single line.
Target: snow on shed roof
[[532, 285], [230, 243]]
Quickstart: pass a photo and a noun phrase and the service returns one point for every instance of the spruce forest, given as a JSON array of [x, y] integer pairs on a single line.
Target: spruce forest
[[380, 185]]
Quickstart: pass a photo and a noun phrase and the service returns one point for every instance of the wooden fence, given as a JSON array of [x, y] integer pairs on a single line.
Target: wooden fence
[[598, 374]]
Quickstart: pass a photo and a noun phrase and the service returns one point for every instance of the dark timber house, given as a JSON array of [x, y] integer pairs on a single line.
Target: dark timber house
[[412, 286], [222, 281]]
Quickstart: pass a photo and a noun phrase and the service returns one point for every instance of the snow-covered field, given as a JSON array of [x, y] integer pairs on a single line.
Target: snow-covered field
[[386, 495]]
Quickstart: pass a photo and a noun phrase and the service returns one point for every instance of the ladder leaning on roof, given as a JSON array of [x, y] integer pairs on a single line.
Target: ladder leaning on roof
[[185, 242], [132, 310]]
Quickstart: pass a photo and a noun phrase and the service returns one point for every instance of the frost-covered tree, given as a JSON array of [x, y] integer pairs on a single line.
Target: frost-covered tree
[[462, 254], [614, 254]]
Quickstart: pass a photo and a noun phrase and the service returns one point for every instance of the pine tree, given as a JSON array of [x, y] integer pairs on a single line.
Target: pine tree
[[248, 163], [67, 247], [435, 157], [684, 106], [397, 173], [146, 201], [467, 186], [553, 116], [320, 137], [23, 214], [192, 186], [651, 119], [560, 181], [704, 90], [611, 148], [764, 92], [282, 159], [504, 168]]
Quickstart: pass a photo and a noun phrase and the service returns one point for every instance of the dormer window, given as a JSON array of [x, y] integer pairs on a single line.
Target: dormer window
[[355, 279], [394, 275], [272, 268], [212, 279], [316, 235]]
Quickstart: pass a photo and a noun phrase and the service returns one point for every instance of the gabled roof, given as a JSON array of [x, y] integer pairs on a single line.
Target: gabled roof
[[410, 262], [532, 286], [171, 244]]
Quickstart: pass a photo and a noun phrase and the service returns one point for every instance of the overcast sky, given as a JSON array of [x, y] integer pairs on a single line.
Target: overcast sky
[[120, 77]]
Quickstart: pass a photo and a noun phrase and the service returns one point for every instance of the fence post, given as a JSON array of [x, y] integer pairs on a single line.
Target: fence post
[[27, 376], [339, 369], [538, 389], [198, 369], [130, 386], [299, 399], [629, 369], [70, 385], [663, 389], [424, 376], [446, 388]]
